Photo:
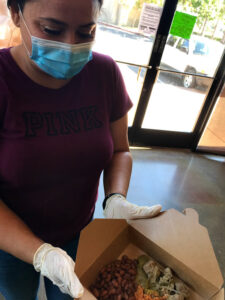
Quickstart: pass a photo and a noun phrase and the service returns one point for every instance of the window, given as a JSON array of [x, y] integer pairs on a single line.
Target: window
[[183, 45], [171, 40], [201, 48]]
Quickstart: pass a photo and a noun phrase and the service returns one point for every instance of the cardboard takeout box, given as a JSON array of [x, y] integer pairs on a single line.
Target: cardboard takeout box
[[173, 239]]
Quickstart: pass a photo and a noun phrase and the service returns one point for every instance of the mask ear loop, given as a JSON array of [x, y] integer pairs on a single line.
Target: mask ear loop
[[21, 15]]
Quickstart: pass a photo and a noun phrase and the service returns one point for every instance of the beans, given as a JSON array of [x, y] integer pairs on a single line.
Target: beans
[[116, 281]]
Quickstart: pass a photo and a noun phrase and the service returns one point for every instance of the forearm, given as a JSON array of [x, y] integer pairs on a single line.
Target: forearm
[[117, 175], [15, 236]]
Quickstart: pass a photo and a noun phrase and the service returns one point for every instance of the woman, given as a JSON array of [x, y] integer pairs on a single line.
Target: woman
[[63, 112]]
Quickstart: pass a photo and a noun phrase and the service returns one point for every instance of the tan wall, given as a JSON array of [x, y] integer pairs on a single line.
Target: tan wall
[[214, 135]]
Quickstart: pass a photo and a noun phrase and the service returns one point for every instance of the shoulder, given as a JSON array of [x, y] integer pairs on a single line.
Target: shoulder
[[102, 58], [4, 68], [103, 61], [4, 55], [3, 75], [105, 65]]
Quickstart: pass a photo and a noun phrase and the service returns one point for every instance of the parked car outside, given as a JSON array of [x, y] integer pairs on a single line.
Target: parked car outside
[[198, 55]]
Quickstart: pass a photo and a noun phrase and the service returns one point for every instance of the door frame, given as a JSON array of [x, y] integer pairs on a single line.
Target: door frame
[[149, 137]]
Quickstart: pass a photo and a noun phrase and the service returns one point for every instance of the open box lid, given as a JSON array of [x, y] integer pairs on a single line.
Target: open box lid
[[94, 239], [219, 296], [188, 242], [184, 244]]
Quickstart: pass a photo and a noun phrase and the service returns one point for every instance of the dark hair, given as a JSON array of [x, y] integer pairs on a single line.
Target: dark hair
[[21, 3]]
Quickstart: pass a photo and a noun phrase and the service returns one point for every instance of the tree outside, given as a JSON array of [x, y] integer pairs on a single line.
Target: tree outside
[[210, 15]]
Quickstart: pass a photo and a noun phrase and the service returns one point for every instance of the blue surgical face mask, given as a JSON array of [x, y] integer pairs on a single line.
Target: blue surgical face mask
[[60, 60]]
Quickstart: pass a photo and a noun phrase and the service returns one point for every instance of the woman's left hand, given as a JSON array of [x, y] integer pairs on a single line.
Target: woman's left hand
[[117, 207]]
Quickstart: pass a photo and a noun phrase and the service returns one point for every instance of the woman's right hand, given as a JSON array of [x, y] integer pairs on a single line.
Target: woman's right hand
[[58, 266]]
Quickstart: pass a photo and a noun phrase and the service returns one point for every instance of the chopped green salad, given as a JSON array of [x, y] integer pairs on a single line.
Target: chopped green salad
[[161, 281]]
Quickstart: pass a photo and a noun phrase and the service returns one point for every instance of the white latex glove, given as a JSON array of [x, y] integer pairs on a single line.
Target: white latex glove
[[117, 207], [58, 266]]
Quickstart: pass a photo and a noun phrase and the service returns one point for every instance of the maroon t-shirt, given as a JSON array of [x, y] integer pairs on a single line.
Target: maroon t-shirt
[[54, 144]]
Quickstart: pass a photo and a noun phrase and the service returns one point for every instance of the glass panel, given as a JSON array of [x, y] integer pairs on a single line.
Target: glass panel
[[133, 78], [173, 107], [213, 138], [177, 98], [202, 53], [124, 30]]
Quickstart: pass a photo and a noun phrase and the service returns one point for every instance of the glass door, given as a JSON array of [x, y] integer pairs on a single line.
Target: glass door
[[124, 34], [184, 75]]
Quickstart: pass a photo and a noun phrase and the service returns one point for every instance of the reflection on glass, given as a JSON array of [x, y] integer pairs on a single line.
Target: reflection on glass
[[123, 46], [118, 32], [196, 56], [133, 78], [201, 53], [173, 107]]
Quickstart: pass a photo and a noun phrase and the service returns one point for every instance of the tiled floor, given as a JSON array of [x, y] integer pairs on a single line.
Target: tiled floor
[[179, 179]]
